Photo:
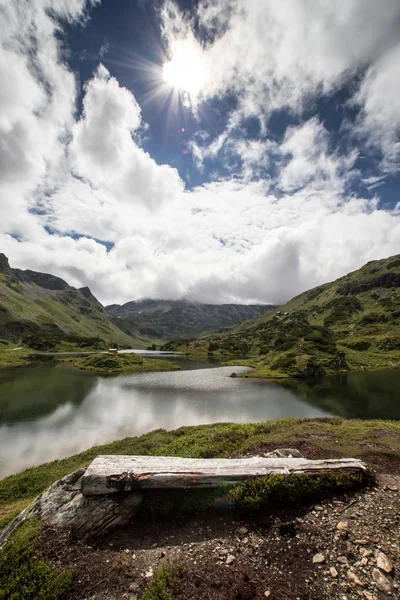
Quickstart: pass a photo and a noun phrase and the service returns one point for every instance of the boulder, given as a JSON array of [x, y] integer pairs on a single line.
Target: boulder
[[63, 505]]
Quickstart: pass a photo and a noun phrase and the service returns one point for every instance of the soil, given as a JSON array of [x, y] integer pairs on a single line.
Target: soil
[[243, 557]]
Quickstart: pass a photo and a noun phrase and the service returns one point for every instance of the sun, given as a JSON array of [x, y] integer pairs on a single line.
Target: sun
[[186, 70]]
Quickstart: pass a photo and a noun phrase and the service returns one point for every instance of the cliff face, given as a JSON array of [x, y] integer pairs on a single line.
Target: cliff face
[[43, 311]]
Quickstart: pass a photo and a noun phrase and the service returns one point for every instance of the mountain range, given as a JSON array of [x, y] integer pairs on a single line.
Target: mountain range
[[171, 319], [45, 313], [352, 323]]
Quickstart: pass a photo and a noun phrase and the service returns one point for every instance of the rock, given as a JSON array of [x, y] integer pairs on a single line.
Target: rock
[[343, 560], [243, 530], [382, 582], [284, 453], [318, 559], [353, 578], [63, 505], [333, 572], [149, 573], [230, 559], [267, 593], [361, 542], [368, 595], [233, 375], [384, 563], [342, 525], [367, 553]]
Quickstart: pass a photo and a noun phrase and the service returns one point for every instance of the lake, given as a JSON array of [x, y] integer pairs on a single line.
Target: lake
[[50, 412]]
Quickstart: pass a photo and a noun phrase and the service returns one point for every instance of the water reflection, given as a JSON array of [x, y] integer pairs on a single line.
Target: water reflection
[[374, 395], [116, 407]]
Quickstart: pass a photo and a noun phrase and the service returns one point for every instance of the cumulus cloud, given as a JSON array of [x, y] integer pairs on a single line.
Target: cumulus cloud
[[276, 55], [286, 221]]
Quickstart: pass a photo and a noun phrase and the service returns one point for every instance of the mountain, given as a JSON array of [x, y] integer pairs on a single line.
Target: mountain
[[350, 324], [44, 312], [168, 319]]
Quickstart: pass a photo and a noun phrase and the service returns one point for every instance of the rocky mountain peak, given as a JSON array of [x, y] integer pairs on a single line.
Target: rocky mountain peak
[[4, 264]]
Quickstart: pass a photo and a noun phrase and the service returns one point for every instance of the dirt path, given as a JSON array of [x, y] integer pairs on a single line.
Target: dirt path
[[340, 549]]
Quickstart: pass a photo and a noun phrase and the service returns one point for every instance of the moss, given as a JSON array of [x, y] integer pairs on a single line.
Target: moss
[[164, 583], [267, 492], [24, 574]]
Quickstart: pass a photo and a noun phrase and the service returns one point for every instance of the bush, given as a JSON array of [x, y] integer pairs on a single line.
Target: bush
[[164, 583], [275, 490]]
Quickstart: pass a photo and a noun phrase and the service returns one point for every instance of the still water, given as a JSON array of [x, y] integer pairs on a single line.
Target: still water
[[50, 412]]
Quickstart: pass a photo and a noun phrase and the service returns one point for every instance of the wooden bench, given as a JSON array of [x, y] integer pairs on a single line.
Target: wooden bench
[[112, 474]]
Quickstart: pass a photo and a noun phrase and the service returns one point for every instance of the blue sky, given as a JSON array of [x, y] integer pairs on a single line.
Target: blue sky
[[221, 151]]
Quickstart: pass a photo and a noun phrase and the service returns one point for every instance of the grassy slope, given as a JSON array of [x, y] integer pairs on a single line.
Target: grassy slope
[[369, 440], [352, 323], [54, 319]]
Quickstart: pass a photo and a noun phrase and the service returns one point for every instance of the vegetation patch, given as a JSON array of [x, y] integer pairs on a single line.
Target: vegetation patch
[[106, 364], [164, 583], [277, 490], [24, 574]]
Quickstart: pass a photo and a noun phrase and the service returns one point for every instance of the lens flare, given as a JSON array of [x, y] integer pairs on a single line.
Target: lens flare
[[186, 70]]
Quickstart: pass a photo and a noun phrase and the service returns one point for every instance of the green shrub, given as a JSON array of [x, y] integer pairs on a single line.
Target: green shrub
[[275, 490], [389, 343], [24, 574], [163, 585]]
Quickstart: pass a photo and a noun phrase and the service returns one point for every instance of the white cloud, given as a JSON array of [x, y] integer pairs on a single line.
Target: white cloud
[[250, 238], [284, 54], [103, 152]]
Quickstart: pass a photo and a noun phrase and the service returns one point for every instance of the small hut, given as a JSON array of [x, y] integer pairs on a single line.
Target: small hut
[[112, 351]]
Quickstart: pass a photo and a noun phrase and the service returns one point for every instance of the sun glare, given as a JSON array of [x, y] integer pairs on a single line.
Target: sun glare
[[186, 70]]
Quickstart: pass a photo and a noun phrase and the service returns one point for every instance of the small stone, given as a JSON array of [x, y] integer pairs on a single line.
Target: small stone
[[343, 560], [353, 578], [267, 593], [230, 559], [342, 525], [149, 573], [243, 530], [384, 563], [318, 559], [368, 595], [333, 572], [367, 553], [361, 542], [381, 581]]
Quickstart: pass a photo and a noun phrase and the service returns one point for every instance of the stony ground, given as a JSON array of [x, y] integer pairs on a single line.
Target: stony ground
[[344, 548]]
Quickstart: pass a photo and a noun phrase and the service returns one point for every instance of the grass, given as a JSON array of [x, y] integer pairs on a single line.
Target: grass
[[106, 364], [327, 437], [24, 574]]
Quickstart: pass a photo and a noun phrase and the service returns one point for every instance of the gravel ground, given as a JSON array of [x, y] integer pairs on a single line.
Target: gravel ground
[[344, 548]]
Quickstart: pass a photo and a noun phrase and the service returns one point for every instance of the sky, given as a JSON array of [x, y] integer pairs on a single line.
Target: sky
[[210, 150]]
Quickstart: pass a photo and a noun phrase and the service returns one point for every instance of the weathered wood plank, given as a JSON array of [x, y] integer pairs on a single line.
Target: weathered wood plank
[[111, 474]]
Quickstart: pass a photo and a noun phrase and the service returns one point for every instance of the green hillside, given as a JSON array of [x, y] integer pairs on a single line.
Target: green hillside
[[43, 312], [350, 324]]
